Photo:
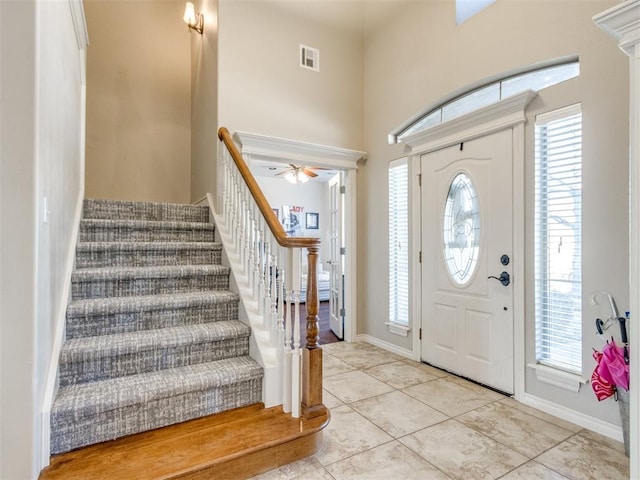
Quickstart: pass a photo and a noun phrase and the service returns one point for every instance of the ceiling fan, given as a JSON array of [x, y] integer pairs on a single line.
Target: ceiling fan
[[299, 173]]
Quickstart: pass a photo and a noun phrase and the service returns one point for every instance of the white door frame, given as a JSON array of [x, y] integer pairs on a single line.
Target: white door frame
[[280, 150], [335, 256], [504, 114]]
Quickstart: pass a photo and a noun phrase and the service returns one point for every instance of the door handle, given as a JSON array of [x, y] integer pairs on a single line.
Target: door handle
[[504, 278]]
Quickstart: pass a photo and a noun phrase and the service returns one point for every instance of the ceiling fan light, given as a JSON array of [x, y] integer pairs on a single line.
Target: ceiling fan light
[[290, 177], [302, 177]]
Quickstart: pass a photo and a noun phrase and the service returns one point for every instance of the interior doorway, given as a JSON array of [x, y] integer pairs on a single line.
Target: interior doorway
[[273, 160]]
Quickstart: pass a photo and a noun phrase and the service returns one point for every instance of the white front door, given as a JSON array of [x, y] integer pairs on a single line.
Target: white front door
[[467, 238], [335, 262]]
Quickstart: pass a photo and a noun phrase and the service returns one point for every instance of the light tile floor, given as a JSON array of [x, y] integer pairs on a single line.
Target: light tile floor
[[392, 418]]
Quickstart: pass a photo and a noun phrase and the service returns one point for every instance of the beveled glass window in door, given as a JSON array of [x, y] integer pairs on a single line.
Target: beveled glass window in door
[[461, 229]]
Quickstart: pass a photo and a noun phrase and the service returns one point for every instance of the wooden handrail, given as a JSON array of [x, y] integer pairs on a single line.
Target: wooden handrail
[[274, 225], [311, 404]]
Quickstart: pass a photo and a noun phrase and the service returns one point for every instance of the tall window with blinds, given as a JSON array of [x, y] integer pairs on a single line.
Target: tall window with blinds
[[558, 239], [398, 243]]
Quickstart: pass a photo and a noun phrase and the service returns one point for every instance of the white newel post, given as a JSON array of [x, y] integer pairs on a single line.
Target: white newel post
[[623, 23]]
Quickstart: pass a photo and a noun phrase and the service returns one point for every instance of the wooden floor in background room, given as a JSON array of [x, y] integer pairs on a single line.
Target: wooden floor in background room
[[326, 335]]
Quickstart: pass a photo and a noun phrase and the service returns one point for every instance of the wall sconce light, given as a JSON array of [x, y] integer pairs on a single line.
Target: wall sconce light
[[195, 21]]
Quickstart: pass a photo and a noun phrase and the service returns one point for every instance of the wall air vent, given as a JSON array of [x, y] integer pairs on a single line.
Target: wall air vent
[[309, 58]]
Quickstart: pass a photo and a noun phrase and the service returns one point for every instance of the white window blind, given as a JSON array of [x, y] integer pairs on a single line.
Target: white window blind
[[558, 239], [399, 242]]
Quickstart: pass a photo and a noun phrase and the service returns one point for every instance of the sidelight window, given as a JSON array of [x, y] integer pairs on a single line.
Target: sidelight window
[[558, 239], [399, 243]]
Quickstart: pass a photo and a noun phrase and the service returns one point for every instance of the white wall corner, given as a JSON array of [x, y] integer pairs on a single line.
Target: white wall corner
[[622, 22], [79, 23]]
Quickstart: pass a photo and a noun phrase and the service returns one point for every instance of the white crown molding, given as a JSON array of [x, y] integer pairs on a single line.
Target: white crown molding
[[623, 23], [280, 150], [492, 118]]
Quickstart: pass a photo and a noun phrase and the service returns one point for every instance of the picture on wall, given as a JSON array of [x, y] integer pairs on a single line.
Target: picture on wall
[[312, 221]]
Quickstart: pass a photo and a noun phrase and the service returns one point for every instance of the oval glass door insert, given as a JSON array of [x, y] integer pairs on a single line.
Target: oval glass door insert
[[461, 229]]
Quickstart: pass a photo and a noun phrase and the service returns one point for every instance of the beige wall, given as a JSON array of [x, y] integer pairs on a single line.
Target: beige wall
[[262, 88], [204, 102], [419, 56], [138, 101]]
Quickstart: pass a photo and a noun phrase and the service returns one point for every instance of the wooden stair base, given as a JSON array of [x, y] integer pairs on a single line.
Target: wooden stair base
[[231, 445]]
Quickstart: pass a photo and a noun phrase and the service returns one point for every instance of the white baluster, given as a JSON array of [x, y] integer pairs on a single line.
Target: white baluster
[[273, 297], [222, 177], [293, 328], [235, 219], [227, 192], [248, 237], [265, 281], [280, 334], [242, 227], [257, 241], [286, 404]]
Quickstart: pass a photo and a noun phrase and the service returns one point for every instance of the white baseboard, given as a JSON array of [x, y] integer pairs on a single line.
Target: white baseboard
[[58, 338], [385, 345], [585, 421]]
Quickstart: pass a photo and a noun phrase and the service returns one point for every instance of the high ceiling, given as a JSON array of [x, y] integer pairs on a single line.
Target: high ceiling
[[355, 15]]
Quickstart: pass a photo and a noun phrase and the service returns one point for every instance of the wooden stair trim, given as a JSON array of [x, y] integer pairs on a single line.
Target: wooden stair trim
[[242, 442], [260, 461]]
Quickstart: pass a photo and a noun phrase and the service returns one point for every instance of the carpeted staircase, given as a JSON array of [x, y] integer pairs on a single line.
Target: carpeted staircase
[[152, 333]]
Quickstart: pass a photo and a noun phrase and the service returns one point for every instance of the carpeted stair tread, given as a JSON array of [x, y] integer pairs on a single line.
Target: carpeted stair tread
[[134, 342], [104, 410], [150, 224], [100, 254], [102, 396], [130, 281], [96, 208], [105, 316], [106, 356], [163, 271], [100, 306], [159, 246], [107, 230]]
